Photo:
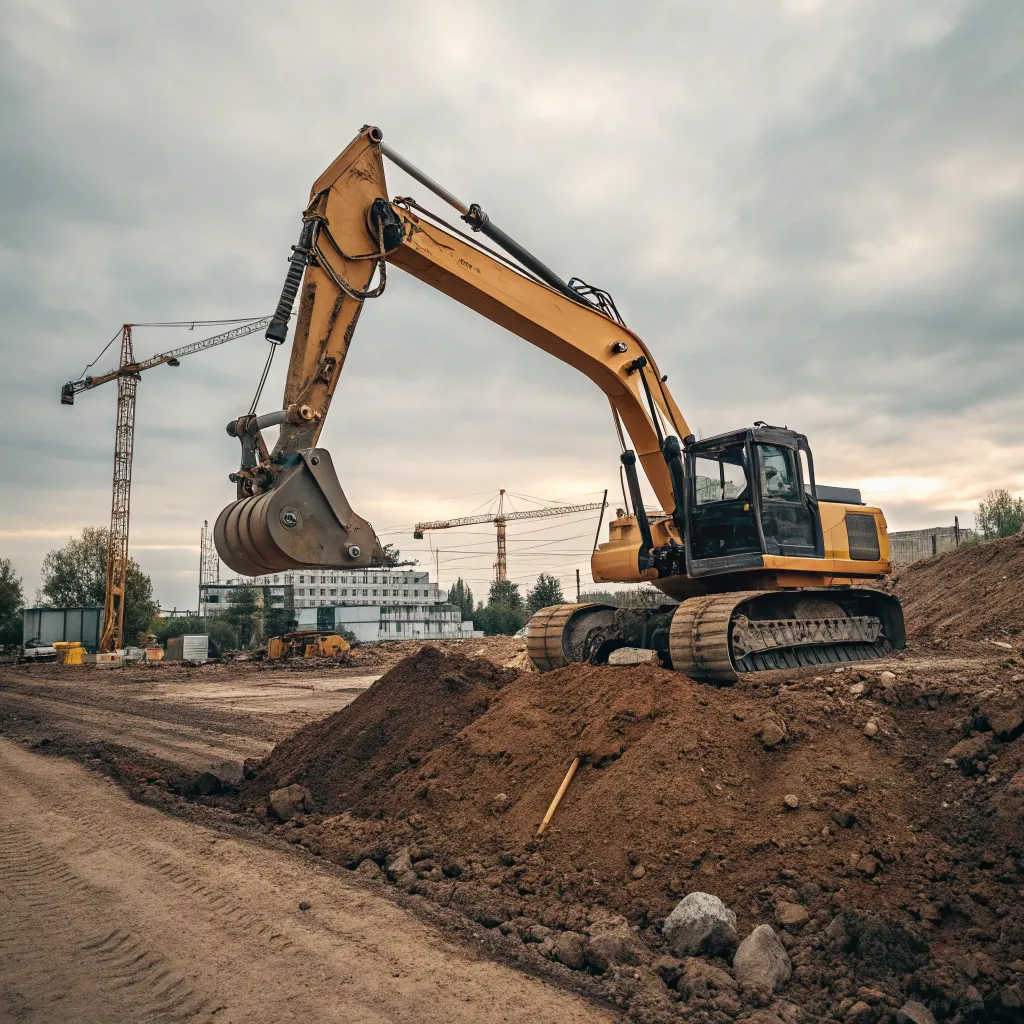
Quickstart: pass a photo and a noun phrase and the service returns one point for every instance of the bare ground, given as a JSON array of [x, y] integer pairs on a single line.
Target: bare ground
[[114, 912]]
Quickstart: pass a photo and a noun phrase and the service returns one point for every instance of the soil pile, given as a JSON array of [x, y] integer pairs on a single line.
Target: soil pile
[[876, 821], [976, 591]]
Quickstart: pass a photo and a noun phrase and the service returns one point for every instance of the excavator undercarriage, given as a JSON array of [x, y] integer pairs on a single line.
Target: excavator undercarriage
[[718, 637]]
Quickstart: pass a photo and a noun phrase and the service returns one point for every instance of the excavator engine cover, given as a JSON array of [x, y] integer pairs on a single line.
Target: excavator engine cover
[[303, 522]]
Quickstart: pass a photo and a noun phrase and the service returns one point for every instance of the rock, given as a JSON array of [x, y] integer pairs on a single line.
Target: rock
[[791, 916], [292, 800], [914, 1013], [499, 803], [230, 773], [1007, 723], [700, 923], [856, 690], [761, 962], [631, 656], [703, 980], [836, 933], [1016, 784], [887, 678], [967, 752], [538, 933], [611, 942], [567, 949], [400, 869], [874, 996], [867, 866], [772, 731], [639, 871], [844, 817], [791, 800], [860, 1011], [369, 869], [208, 784], [870, 729]]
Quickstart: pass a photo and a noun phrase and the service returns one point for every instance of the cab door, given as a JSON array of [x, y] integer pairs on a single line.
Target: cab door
[[789, 519]]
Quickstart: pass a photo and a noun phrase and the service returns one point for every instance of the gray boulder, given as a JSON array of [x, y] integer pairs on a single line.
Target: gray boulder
[[700, 923], [400, 869], [914, 1013], [291, 800], [761, 962], [368, 869]]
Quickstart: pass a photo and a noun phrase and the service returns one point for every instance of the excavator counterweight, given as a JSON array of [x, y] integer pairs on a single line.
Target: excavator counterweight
[[761, 566]]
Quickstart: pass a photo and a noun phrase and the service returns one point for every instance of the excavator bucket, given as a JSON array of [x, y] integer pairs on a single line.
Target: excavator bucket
[[303, 522]]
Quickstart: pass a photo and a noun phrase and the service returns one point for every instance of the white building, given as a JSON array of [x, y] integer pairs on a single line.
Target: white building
[[327, 588], [374, 604]]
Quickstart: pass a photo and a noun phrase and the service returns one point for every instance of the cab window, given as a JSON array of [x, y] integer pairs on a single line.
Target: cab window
[[721, 479], [779, 473]]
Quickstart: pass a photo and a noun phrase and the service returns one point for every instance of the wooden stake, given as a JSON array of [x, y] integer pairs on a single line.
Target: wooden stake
[[558, 796]]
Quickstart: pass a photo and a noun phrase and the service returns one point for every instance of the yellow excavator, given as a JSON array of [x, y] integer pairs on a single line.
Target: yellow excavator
[[767, 565]]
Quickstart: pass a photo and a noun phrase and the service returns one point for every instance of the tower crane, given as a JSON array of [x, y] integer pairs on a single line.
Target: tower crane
[[502, 517], [127, 375]]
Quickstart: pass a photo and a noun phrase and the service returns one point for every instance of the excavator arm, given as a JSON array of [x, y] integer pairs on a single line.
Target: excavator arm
[[291, 512]]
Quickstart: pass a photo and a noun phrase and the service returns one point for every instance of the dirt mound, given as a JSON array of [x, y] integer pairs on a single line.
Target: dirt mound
[[349, 758], [904, 854], [975, 591]]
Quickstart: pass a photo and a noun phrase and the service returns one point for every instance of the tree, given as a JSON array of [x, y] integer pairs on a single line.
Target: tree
[[999, 514], [75, 576], [245, 614], [504, 613], [462, 597], [12, 601], [546, 591], [178, 625], [393, 558]]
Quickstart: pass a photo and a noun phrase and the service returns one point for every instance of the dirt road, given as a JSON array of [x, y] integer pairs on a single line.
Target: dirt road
[[112, 912]]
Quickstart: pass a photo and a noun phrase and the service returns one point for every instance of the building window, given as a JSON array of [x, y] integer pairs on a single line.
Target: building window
[[302, 579], [375, 593], [300, 591], [364, 593], [334, 591], [344, 593]]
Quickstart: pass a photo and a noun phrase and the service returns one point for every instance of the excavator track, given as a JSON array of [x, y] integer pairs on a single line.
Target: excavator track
[[718, 637], [551, 632]]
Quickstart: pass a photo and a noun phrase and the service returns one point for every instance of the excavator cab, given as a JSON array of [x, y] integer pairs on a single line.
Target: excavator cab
[[750, 493]]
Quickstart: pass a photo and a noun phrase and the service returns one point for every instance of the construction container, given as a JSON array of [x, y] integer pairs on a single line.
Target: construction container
[[191, 647], [51, 625]]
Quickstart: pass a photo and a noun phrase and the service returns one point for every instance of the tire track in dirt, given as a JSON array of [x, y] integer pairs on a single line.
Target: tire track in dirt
[[112, 913]]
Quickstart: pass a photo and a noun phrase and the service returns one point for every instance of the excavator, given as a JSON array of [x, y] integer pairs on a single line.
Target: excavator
[[766, 569]]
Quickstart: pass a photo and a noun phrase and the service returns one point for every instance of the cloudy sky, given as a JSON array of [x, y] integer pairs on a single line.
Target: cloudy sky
[[812, 212]]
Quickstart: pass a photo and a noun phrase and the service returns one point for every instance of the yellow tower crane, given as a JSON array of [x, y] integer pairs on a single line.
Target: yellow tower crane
[[502, 517], [127, 375]]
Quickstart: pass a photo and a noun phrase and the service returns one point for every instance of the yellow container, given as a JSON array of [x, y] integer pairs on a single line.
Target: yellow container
[[70, 652]]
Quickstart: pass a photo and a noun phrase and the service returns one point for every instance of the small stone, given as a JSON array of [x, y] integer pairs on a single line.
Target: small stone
[[290, 801], [844, 817], [1007, 723], [871, 995], [887, 678], [836, 933], [857, 689], [967, 752], [611, 942], [567, 948], [702, 980], [867, 866], [761, 962], [772, 731], [499, 803], [912, 1012], [791, 916], [791, 800], [700, 923], [305, 906], [858, 1012], [639, 871], [631, 656], [871, 729], [368, 869]]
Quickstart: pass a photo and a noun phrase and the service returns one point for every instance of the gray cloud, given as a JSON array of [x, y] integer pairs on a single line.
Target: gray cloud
[[810, 211]]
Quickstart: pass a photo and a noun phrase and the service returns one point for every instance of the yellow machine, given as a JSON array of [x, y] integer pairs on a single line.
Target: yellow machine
[[308, 644], [764, 560]]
